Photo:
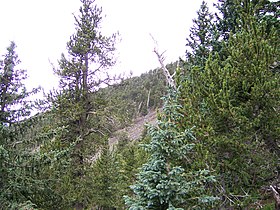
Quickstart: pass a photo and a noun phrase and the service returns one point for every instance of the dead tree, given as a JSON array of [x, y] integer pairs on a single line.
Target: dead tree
[[276, 196], [169, 78]]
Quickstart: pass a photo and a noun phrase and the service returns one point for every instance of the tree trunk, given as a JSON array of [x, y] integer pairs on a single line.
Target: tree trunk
[[276, 196], [148, 100], [169, 79]]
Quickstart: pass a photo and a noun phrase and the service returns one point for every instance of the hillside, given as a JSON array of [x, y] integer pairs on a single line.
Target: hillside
[[214, 140], [135, 130]]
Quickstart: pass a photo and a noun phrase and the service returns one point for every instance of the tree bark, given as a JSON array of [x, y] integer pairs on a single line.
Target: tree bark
[[276, 196], [169, 79]]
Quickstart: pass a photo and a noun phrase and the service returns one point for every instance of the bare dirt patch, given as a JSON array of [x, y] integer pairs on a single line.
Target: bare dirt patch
[[135, 131]]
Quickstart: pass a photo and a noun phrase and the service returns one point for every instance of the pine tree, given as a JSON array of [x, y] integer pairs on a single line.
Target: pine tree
[[268, 11], [77, 105], [130, 159], [234, 105], [83, 71], [162, 183]]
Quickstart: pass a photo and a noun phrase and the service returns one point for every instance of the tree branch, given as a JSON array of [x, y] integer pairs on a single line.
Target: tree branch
[[169, 79]]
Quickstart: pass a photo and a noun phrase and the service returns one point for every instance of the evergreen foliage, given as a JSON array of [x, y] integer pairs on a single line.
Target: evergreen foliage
[[162, 183], [229, 20], [227, 92], [202, 37], [12, 89], [130, 159], [105, 180], [135, 96], [89, 55], [13, 93], [233, 103], [21, 160], [77, 105]]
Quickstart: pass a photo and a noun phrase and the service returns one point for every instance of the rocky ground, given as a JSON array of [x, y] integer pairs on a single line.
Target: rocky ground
[[135, 130]]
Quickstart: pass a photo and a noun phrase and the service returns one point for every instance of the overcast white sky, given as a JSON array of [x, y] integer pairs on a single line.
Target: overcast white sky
[[41, 28]]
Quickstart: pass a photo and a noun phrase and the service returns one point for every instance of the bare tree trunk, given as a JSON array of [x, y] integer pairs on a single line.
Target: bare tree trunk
[[148, 100], [169, 79], [276, 197], [139, 107]]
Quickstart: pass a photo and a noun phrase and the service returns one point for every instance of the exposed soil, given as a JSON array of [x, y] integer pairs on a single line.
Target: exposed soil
[[135, 131]]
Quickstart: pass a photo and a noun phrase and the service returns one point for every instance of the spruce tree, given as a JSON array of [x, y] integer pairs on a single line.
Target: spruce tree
[[21, 160], [162, 182], [229, 17], [14, 108], [12, 89], [201, 38], [231, 12]]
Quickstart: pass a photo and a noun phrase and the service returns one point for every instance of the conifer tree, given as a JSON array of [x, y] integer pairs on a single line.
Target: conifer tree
[[77, 105], [201, 38], [82, 72], [130, 159], [105, 180], [162, 183], [21, 161], [14, 108], [230, 16], [234, 105], [12, 89]]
